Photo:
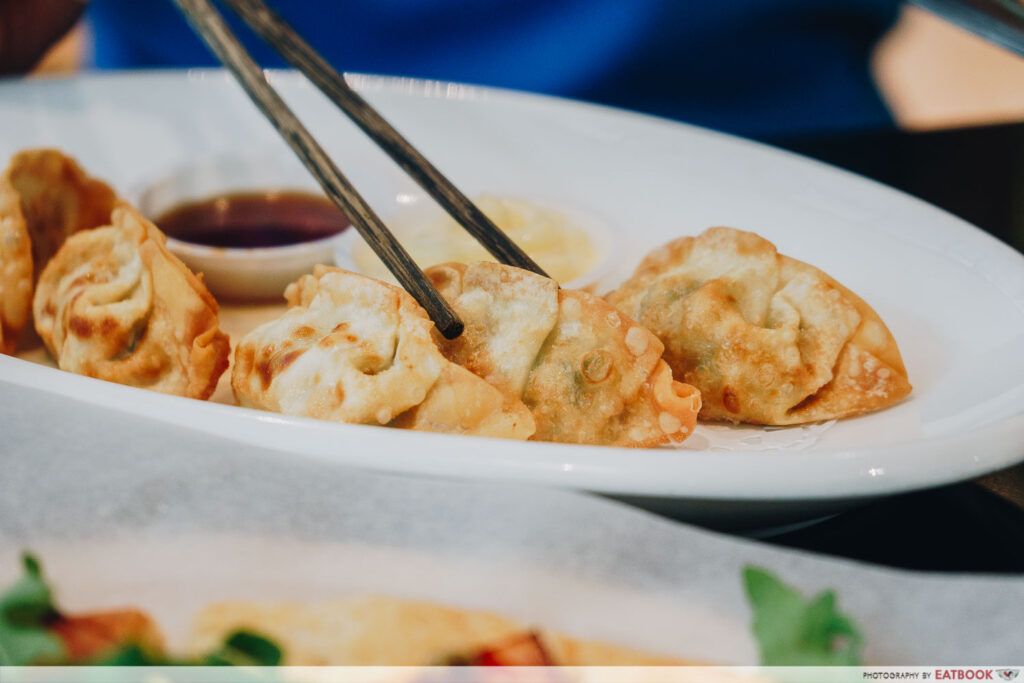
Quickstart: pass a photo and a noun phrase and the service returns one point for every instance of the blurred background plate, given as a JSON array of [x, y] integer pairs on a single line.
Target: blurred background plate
[[191, 519]]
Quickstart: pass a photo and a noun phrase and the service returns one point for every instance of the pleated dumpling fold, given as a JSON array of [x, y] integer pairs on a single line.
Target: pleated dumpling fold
[[115, 304], [44, 197], [766, 338], [588, 373], [354, 349]]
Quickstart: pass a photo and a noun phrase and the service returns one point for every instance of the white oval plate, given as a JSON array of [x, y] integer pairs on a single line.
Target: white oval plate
[[952, 295]]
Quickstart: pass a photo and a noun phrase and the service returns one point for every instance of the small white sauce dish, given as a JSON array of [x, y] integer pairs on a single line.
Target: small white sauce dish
[[256, 274], [424, 229]]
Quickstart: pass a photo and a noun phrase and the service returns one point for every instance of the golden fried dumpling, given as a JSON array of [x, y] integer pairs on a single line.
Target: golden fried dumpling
[[766, 338], [115, 304], [588, 373], [508, 313], [15, 270], [354, 349], [44, 197]]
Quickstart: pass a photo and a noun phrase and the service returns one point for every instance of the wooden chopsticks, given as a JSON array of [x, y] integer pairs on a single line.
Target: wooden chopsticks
[[210, 26], [283, 38], [208, 23]]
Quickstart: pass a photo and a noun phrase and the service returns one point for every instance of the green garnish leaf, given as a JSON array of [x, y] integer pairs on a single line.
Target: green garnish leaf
[[26, 608], [793, 631], [27, 611], [243, 648], [130, 655]]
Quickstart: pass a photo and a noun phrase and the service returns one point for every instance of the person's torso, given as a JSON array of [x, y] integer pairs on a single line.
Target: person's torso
[[750, 66]]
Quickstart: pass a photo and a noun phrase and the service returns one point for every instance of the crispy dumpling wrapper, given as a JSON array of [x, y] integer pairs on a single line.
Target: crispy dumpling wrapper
[[44, 197], [766, 338], [15, 270], [386, 631], [588, 373], [115, 304], [462, 403], [355, 349]]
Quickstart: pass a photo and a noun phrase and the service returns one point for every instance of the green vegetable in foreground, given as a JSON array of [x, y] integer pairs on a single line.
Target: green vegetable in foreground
[[793, 631], [790, 630], [27, 613], [241, 648], [25, 610]]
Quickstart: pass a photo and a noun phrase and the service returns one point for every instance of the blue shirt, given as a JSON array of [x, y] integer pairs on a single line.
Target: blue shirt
[[762, 68]]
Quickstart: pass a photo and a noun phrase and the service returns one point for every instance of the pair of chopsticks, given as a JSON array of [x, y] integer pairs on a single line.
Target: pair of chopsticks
[[210, 26]]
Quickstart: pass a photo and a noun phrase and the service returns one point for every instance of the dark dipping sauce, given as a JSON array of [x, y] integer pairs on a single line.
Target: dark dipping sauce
[[254, 219]]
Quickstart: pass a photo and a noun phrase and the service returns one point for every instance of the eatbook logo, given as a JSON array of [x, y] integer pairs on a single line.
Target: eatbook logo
[[1007, 674]]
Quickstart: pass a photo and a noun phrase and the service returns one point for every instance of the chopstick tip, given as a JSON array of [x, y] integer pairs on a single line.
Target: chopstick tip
[[452, 329]]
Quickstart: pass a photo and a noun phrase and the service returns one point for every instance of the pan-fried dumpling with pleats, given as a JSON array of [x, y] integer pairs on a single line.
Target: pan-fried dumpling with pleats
[[115, 304], [44, 197], [766, 338], [588, 373], [354, 349]]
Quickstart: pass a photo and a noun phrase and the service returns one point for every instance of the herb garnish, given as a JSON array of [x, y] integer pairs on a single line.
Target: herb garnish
[[792, 631], [27, 611]]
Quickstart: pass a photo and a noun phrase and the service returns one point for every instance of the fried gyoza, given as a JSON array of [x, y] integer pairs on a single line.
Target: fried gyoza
[[766, 338], [115, 304], [588, 373], [44, 197], [354, 349]]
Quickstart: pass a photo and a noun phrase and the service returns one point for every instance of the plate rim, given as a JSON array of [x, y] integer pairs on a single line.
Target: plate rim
[[838, 474]]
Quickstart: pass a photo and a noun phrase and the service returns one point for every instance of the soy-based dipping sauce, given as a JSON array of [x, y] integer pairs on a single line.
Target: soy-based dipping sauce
[[254, 219]]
